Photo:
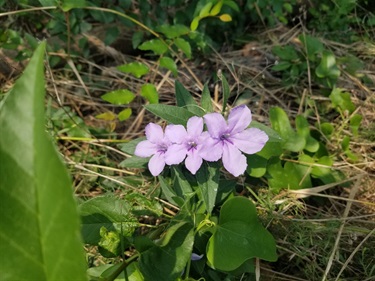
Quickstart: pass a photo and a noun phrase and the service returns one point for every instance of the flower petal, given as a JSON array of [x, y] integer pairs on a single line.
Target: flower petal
[[193, 161], [211, 149], [233, 160], [154, 132], [175, 154], [156, 164], [145, 149], [239, 119], [250, 141], [216, 124], [195, 126], [175, 133]]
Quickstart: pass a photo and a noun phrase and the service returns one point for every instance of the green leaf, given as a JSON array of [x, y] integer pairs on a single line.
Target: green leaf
[[108, 211], [107, 116], [149, 92], [303, 129], [184, 46], [119, 97], [272, 134], [46, 3], [67, 5], [208, 183], [181, 186], [171, 114], [355, 121], [280, 123], [312, 46], [135, 68], [205, 11], [39, 223], [194, 24], [155, 45], [341, 100], [183, 97], [168, 191], [124, 114], [206, 100], [226, 90], [166, 261], [169, 64], [283, 65], [173, 31], [216, 9], [135, 162], [327, 67], [285, 53], [130, 146], [239, 237], [257, 165], [137, 39]]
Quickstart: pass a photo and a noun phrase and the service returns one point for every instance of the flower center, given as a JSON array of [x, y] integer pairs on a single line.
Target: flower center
[[224, 137], [191, 145], [162, 148]]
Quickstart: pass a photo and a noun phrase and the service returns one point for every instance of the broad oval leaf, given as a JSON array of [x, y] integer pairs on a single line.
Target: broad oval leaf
[[225, 18], [149, 92], [110, 212], [205, 11], [169, 64], [119, 97], [124, 114], [194, 24], [166, 261], [39, 224], [239, 237], [184, 46], [155, 45], [173, 31], [137, 69]]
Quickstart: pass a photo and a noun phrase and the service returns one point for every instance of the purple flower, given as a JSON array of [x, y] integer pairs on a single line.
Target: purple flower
[[228, 139], [156, 145], [186, 143]]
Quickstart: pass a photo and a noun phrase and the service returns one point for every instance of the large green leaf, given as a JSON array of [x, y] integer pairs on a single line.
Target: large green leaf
[[167, 260], [170, 113], [239, 237], [185, 99], [110, 212], [39, 223]]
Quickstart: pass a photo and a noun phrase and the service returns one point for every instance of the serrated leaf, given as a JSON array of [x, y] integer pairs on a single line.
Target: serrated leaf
[[184, 46], [206, 100], [149, 92], [135, 68], [107, 116], [225, 18], [39, 223], [119, 97], [171, 114], [124, 114], [67, 5], [155, 45], [169, 64], [239, 237], [108, 211], [194, 24], [173, 31]]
